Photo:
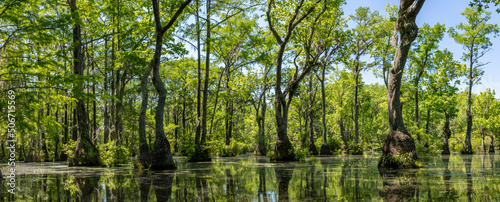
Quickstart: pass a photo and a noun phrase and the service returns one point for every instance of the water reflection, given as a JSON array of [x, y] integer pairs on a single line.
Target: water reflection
[[452, 177], [468, 167], [283, 177], [398, 186]]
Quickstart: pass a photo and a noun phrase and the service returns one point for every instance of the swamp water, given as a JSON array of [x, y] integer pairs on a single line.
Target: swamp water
[[249, 178]]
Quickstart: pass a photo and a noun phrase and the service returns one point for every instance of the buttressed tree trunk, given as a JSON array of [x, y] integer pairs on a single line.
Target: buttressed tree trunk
[[162, 156], [86, 153], [399, 140]]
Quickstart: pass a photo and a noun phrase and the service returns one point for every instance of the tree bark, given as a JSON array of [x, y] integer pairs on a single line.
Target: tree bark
[[261, 122], [312, 95], [86, 153], [467, 148], [205, 86], [492, 146], [446, 134], [161, 156], [144, 154], [356, 107], [106, 114], [261, 118], [325, 148], [399, 140], [201, 153], [283, 149], [229, 112]]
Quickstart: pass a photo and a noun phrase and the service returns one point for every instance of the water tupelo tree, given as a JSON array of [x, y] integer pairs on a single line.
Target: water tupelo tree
[[399, 140]]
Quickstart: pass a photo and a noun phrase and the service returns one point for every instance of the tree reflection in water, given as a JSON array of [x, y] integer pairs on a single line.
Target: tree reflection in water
[[251, 178], [283, 177], [144, 181], [468, 167], [398, 185]]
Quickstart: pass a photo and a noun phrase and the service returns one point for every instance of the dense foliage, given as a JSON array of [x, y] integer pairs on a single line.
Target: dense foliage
[[226, 102]]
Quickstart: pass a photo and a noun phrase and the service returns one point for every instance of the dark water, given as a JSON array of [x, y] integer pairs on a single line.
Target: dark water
[[249, 178]]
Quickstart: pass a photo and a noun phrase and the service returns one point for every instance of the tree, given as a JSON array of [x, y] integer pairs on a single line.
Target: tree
[[486, 111], [276, 12], [420, 57], [399, 140], [476, 42], [383, 50], [441, 87], [161, 155], [363, 40], [485, 4], [86, 153]]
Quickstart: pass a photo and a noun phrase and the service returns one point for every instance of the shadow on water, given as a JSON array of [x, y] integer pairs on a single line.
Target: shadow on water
[[452, 177]]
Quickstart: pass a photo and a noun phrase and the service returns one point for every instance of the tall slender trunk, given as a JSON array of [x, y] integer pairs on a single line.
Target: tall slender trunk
[[207, 78], [201, 152], [325, 149], [229, 112], [64, 156], [86, 154], [356, 107], [261, 122], [467, 148], [161, 155], [198, 83], [176, 122], [144, 154], [312, 147], [106, 114], [94, 111]]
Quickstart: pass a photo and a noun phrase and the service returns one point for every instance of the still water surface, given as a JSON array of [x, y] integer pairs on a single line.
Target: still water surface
[[249, 178]]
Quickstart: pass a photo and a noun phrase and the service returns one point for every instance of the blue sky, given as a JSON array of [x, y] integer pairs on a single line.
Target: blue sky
[[445, 12]]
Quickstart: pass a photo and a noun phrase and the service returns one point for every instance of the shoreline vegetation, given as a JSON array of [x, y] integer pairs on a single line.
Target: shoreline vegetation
[[98, 83]]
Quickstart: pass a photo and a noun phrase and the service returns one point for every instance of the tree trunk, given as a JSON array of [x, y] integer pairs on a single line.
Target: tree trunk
[[312, 147], [399, 140], [86, 153], [106, 114], [492, 146], [205, 86], [64, 156], [356, 106], [467, 148], [176, 122], [446, 134], [283, 149], [228, 129], [161, 155], [261, 121], [198, 83], [483, 147], [144, 154], [325, 148]]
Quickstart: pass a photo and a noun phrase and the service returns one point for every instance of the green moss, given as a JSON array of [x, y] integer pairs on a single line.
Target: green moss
[[400, 161]]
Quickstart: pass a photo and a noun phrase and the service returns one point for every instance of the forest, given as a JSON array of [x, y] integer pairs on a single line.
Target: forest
[[112, 82]]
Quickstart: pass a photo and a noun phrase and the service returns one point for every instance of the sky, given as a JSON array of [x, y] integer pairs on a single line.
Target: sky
[[446, 12]]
